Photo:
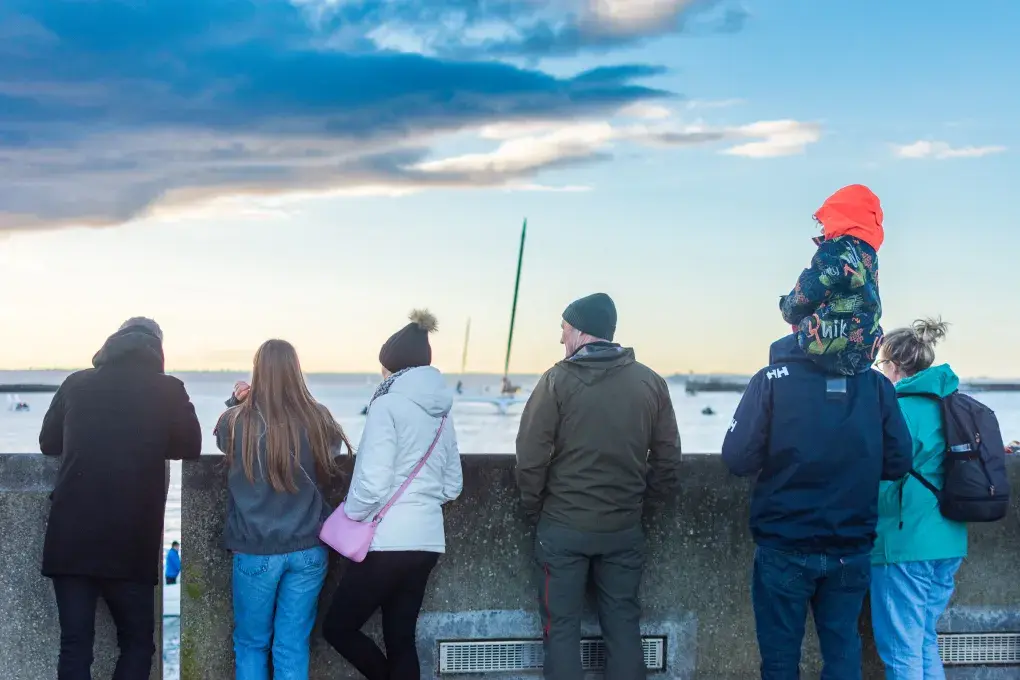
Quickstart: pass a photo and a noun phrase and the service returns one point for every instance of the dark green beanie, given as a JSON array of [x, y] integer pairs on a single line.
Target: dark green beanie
[[594, 315]]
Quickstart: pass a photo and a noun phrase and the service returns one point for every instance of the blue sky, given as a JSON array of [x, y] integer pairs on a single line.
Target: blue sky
[[241, 170]]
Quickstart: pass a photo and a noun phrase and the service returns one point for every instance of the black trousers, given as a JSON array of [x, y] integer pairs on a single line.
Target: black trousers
[[395, 582], [133, 610], [615, 561]]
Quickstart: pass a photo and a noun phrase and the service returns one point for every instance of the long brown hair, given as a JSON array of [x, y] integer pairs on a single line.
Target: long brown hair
[[279, 402]]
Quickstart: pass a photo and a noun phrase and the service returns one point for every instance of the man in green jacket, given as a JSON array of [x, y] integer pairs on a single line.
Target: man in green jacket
[[598, 431]]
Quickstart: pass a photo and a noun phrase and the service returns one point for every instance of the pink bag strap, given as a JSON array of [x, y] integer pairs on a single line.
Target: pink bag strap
[[414, 473]]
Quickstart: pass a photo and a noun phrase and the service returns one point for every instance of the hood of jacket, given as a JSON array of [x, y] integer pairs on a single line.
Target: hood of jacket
[[426, 387], [853, 211], [597, 361], [786, 348], [132, 345], [938, 380]]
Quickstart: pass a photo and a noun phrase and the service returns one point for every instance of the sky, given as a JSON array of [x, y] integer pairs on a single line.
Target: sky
[[315, 169]]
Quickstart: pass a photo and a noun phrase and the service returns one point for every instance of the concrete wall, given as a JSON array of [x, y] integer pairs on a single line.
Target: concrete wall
[[696, 586], [695, 589], [29, 628]]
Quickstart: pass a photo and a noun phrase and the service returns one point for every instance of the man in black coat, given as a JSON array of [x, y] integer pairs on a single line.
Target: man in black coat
[[114, 427]]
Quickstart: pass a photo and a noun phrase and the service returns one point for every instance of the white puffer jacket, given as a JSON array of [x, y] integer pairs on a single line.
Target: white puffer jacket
[[400, 428]]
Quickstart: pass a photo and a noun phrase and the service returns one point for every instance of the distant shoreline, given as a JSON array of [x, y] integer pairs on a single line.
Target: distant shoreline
[[977, 383]]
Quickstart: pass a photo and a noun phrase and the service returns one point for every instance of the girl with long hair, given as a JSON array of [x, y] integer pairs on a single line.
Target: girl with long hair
[[280, 446]]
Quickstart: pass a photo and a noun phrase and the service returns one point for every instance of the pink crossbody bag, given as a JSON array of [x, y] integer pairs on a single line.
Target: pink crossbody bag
[[353, 539]]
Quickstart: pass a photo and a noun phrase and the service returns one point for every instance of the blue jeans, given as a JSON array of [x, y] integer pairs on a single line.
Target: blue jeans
[[906, 602], [784, 586], [275, 598]]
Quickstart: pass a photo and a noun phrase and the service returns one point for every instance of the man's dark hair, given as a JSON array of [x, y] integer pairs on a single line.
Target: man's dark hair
[[174, 544]]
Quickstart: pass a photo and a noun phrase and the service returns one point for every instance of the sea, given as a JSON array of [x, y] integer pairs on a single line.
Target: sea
[[702, 418]]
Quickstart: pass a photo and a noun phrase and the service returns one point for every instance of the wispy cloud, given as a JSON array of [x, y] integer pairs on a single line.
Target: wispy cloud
[[941, 150], [777, 138], [108, 109], [519, 28], [529, 149]]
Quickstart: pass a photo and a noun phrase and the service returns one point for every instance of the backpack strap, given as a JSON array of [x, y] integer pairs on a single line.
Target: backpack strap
[[914, 473], [928, 485]]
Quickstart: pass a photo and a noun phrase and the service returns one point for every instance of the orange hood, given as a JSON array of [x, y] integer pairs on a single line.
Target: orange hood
[[853, 211]]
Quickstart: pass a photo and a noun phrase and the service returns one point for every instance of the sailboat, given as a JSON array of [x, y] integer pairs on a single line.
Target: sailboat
[[509, 393], [15, 403]]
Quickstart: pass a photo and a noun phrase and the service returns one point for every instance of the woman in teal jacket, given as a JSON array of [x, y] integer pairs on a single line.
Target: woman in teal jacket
[[918, 551]]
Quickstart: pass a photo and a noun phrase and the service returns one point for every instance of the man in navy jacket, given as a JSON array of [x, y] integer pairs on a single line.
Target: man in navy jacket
[[819, 445]]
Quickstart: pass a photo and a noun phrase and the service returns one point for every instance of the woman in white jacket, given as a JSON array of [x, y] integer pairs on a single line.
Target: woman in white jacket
[[407, 411]]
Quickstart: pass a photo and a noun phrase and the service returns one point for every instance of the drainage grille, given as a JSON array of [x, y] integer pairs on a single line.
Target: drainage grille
[[500, 656], [980, 649]]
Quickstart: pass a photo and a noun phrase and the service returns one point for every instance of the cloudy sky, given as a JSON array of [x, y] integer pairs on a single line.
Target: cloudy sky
[[313, 169]]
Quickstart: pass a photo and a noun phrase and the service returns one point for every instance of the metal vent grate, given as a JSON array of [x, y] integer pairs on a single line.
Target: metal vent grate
[[980, 649], [501, 656]]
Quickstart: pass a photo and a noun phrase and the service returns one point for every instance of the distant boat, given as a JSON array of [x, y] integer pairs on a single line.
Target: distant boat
[[708, 411], [14, 403], [508, 394], [28, 388]]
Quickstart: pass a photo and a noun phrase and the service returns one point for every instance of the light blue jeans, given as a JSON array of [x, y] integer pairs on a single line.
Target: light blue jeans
[[275, 598], [906, 602]]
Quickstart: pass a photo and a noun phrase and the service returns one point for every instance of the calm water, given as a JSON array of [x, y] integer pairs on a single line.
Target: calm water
[[480, 429]]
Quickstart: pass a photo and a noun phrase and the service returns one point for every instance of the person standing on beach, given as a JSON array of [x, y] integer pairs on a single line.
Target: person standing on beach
[[408, 426], [114, 427], [173, 563], [818, 444], [280, 446], [597, 432]]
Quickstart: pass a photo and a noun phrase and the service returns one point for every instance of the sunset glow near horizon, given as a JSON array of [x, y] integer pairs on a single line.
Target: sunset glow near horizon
[[316, 184]]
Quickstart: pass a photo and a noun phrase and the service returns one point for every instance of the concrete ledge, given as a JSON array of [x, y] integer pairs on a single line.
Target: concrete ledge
[[696, 586], [695, 591], [29, 627]]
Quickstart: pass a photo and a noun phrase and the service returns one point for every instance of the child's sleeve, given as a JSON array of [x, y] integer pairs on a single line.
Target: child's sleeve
[[815, 283]]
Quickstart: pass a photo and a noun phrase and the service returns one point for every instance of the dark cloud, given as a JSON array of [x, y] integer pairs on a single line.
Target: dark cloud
[[107, 107]]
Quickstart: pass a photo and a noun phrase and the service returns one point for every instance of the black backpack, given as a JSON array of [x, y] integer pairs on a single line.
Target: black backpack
[[976, 487]]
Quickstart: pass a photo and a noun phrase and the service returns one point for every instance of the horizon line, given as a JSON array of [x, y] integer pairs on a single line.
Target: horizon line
[[485, 374]]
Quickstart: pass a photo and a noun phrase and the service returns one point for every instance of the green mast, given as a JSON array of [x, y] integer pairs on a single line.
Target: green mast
[[513, 311]]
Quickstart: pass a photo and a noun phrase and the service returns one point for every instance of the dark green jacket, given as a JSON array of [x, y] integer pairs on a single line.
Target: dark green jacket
[[597, 431]]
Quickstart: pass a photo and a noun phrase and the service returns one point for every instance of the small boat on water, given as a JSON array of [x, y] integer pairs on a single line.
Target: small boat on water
[[14, 403], [509, 394], [708, 411]]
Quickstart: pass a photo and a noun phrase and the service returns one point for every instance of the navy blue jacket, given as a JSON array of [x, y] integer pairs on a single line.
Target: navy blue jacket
[[819, 444]]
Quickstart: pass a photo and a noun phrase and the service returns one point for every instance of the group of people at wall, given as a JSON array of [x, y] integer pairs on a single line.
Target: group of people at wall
[[597, 435]]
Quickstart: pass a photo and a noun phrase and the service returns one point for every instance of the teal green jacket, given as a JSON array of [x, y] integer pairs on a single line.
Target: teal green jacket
[[915, 530]]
